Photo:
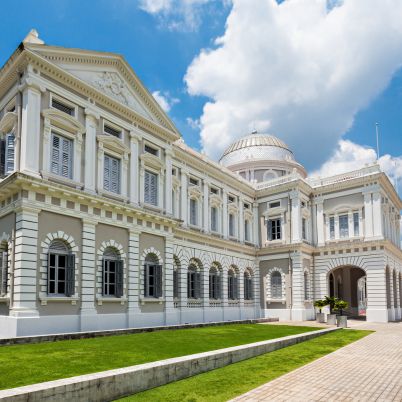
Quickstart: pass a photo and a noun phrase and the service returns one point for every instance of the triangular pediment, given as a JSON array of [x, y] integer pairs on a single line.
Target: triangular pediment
[[111, 75]]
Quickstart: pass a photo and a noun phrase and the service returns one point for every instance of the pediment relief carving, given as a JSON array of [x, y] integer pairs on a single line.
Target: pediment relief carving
[[8, 122], [62, 120]]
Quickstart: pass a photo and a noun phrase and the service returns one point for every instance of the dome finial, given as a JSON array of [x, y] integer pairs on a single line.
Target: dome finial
[[33, 37]]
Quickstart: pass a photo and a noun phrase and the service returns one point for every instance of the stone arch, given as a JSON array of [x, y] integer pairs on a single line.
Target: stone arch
[[151, 251], [45, 245], [269, 285]]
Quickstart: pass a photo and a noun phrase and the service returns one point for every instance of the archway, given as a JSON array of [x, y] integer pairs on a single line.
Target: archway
[[349, 283]]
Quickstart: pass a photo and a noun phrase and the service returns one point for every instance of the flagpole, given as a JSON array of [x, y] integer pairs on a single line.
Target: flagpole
[[378, 146]]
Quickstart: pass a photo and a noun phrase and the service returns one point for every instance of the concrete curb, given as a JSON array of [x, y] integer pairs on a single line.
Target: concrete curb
[[113, 384], [126, 331]]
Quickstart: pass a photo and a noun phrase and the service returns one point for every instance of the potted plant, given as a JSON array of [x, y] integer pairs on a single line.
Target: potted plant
[[331, 317], [320, 304], [341, 320]]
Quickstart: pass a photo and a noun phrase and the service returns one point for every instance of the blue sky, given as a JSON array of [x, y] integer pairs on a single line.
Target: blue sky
[[162, 43]]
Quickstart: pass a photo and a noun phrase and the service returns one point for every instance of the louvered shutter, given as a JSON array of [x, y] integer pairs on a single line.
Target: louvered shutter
[[9, 153], [146, 275], [115, 175], [198, 285], [189, 285], [158, 272], [218, 287], [3, 273], [70, 275], [106, 173], [55, 157], [235, 288], [103, 276], [119, 278], [66, 158], [2, 157], [154, 189]]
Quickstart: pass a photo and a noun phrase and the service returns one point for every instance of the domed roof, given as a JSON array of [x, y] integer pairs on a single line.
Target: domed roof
[[257, 147]]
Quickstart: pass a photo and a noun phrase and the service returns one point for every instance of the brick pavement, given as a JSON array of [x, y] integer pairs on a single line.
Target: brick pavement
[[367, 370]]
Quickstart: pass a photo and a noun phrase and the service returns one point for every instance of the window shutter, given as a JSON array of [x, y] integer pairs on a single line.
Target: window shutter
[[115, 175], [55, 157], [70, 273], [235, 288], [3, 273], [119, 278], [9, 153], [218, 287], [198, 285], [106, 173], [158, 281], [269, 230], [189, 285], [2, 157], [103, 276], [154, 189], [146, 274], [66, 158]]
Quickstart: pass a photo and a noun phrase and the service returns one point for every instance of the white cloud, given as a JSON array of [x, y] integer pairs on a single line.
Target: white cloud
[[301, 70], [166, 102], [177, 15], [349, 156]]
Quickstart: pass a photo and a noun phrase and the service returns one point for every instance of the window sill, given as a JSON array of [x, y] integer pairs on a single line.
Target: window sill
[[58, 299], [195, 227], [114, 196], [111, 299], [283, 301], [4, 299], [279, 241], [61, 180], [145, 300], [154, 208]]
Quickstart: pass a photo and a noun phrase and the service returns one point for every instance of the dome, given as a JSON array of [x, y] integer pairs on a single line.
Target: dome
[[256, 147], [260, 157]]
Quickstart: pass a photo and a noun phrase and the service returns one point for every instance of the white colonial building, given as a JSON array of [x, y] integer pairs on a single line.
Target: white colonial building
[[108, 220]]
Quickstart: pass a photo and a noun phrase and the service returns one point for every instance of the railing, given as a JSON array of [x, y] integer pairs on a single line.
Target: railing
[[276, 182], [233, 303], [248, 303], [366, 171], [194, 303], [215, 303], [176, 303]]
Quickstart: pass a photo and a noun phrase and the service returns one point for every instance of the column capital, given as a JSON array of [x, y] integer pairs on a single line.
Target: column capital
[[91, 113], [31, 82], [135, 135]]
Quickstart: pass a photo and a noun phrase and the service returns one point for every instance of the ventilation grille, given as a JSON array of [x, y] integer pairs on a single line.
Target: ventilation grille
[[111, 131], [62, 107], [59, 246]]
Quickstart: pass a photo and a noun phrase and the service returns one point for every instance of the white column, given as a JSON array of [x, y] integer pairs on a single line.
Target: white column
[[295, 217], [101, 156], [25, 264], [368, 216], [256, 225], [88, 317], [350, 224], [124, 175], [377, 216], [134, 170], [161, 181], [141, 184], [170, 311], [133, 291], [30, 128], [320, 222], [336, 223], [168, 178], [47, 134], [91, 123], [225, 213], [206, 207], [298, 308], [361, 233], [241, 221], [184, 198], [77, 158]]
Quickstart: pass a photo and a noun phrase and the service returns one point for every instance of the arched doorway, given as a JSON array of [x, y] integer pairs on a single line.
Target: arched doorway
[[349, 283]]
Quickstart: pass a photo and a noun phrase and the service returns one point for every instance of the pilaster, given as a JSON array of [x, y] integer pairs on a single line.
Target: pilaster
[[133, 273], [225, 213], [184, 198], [168, 182], [170, 311], [134, 169], [91, 123], [295, 217], [206, 206]]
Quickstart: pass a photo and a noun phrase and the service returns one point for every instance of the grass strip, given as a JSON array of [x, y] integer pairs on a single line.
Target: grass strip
[[233, 380], [29, 364]]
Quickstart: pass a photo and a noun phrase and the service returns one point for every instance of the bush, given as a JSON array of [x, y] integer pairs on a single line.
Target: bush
[[341, 305], [320, 304], [331, 301]]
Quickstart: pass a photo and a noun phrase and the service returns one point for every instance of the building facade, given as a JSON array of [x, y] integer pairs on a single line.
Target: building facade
[[108, 220]]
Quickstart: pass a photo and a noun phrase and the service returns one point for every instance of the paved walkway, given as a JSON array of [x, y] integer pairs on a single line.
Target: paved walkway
[[367, 370]]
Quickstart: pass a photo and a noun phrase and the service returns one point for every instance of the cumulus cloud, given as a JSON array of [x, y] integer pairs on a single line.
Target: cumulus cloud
[[350, 156], [166, 102], [176, 15], [300, 69]]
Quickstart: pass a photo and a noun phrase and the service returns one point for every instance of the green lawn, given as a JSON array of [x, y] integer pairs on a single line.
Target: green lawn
[[29, 364], [235, 379]]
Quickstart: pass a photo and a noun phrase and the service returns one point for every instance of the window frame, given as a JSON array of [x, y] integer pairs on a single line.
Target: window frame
[[276, 288], [215, 285], [274, 229], [248, 286], [193, 211], [61, 137], [194, 283], [343, 231], [233, 285], [64, 101], [157, 280], [148, 171], [4, 271], [214, 223], [111, 159]]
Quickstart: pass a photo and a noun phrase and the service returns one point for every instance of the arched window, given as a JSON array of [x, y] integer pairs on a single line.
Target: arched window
[[3, 268], [248, 286], [112, 267], [193, 282], [152, 276], [232, 285], [276, 285], [214, 283], [61, 269]]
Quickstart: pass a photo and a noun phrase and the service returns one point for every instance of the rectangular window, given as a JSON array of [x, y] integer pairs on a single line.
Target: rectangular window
[[214, 190], [304, 234], [193, 285], [274, 229], [111, 174], [231, 199], [62, 156], [61, 274], [109, 277], [246, 230], [150, 150], [275, 204], [111, 131], [193, 181], [214, 219], [231, 225], [9, 153], [151, 188], [193, 212], [343, 226], [153, 280], [356, 224], [3, 272], [176, 284], [332, 227], [63, 107]]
